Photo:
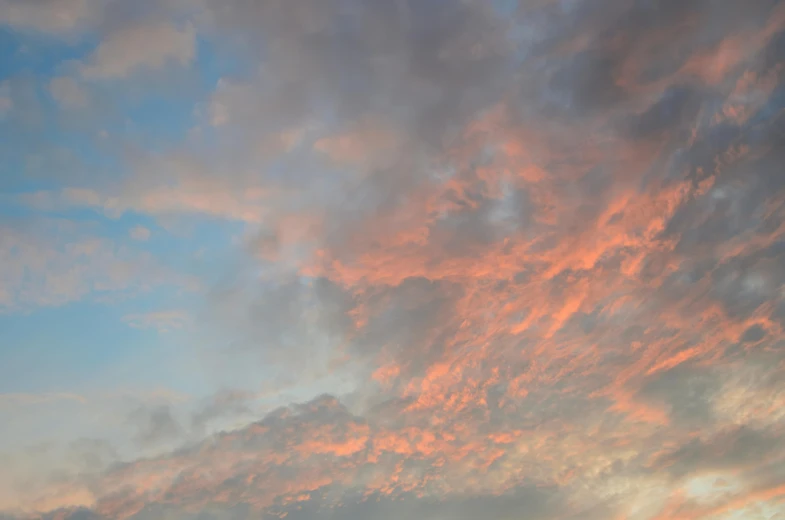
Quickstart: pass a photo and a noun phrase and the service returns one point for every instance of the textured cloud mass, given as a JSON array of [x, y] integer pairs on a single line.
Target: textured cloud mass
[[505, 259]]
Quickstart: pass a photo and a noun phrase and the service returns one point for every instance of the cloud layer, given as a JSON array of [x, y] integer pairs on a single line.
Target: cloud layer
[[533, 252]]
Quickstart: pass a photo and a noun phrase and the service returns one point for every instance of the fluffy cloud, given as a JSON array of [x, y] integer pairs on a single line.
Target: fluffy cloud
[[138, 47], [140, 233], [58, 16], [68, 93]]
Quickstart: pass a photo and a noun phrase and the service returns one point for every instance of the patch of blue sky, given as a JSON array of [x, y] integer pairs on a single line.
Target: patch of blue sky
[[47, 155], [506, 7], [157, 122], [37, 54], [215, 62], [101, 342], [772, 110], [199, 250], [164, 116], [59, 348], [765, 128], [154, 118]]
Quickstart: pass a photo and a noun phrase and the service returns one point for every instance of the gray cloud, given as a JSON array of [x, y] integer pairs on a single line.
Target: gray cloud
[[226, 403], [154, 425], [740, 447], [688, 392]]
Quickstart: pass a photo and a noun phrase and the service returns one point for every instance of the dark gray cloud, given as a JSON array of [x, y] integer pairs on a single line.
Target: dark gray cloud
[[677, 106], [740, 447], [687, 392]]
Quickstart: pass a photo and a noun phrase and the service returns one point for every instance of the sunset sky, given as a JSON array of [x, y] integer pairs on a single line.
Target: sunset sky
[[392, 259]]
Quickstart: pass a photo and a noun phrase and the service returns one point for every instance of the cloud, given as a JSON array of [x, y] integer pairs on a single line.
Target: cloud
[[54, 262], [154, 425], [57, 16], [29, 399], [68, 93], [534, 257], [162, 321], [140, 233], [728, 451], [6, 103], [310, 437], [136, 48], [224, 404], [190, 196]]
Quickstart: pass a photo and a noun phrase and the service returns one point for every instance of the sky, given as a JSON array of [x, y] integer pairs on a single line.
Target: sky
[[389, 259]]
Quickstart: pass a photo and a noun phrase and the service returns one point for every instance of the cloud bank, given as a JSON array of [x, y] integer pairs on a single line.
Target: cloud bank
[[539, 243]]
